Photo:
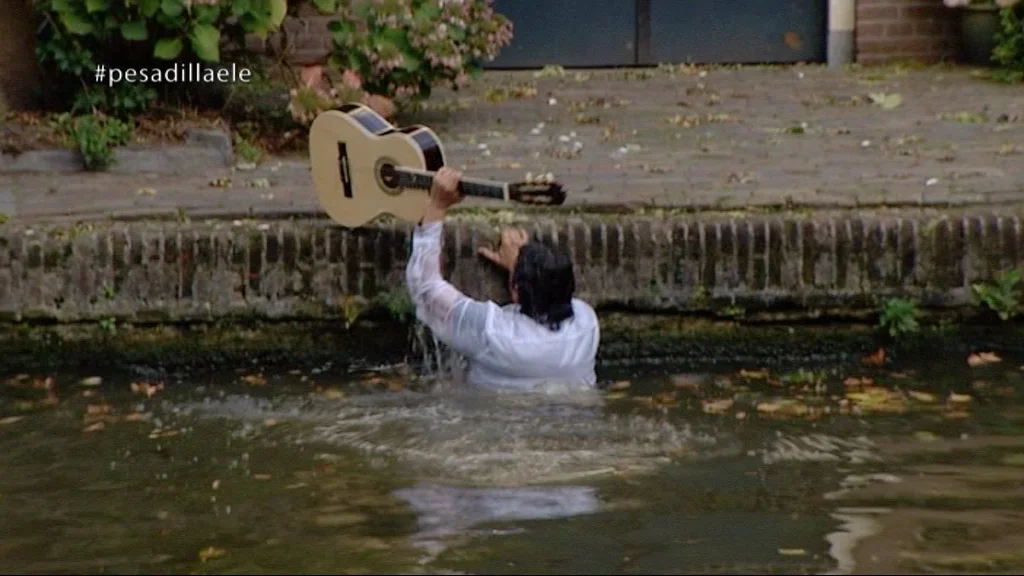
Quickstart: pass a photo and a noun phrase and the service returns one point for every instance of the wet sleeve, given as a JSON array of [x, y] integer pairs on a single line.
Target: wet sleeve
[[456, 319]]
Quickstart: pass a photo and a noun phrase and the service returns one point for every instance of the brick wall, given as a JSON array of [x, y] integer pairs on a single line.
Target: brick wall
[[891, 30], [288, 269], [306, 39]]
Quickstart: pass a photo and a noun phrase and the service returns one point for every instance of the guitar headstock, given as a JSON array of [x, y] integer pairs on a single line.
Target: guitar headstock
[[541, 189]]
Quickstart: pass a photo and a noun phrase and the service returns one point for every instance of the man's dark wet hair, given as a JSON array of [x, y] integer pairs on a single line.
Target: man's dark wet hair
[[546, 283]]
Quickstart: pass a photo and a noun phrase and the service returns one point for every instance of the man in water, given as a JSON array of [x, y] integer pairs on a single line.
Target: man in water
[[544, 337]]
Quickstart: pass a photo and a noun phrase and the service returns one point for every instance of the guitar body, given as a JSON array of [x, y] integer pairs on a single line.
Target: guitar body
[[353, 151]]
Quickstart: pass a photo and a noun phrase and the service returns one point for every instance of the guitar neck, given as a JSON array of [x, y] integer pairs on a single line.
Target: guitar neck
[[423, 180]]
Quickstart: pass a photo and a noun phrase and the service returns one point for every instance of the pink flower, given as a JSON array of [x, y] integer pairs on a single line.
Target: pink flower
[[351, 79]]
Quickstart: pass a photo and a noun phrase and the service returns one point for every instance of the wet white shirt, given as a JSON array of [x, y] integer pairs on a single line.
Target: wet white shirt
[[506, 350]]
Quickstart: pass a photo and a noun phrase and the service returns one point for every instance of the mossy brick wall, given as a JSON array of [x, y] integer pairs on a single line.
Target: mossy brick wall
[[302, 269]]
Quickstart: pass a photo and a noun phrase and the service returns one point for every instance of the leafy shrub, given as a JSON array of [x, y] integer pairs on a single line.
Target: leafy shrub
[[1008, 52], [899, 318], [95, 137], [402, 48], [77, 35], [1001, 295]]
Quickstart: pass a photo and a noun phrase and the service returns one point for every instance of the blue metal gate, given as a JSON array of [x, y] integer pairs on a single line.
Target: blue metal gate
[[595, 33]]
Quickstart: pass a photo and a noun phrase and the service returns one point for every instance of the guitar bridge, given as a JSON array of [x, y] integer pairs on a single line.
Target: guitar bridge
[[346, 176]]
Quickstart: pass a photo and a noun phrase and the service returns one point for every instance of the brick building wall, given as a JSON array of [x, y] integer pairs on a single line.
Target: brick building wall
[[890, 30]]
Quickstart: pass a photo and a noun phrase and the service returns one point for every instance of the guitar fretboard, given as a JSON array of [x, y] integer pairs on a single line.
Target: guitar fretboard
[[410, 178]]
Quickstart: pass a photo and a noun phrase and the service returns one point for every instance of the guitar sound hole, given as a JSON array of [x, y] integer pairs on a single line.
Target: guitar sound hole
[[389, 176]]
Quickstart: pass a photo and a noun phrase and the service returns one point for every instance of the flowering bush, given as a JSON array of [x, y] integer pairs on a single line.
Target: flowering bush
[[316, 94], [402, 48]]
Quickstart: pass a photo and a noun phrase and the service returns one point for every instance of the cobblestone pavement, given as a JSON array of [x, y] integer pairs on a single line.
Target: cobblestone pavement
[[724, 138]]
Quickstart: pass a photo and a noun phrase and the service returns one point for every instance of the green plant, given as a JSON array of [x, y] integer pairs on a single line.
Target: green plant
[[247, 150], [401, 48], [1008, 52], [109, 325], [75, 36], [398, 303], [95, 138], [899, 318], [1001, 296]]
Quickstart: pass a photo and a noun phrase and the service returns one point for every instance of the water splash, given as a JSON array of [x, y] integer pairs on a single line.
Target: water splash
[[437, 361]]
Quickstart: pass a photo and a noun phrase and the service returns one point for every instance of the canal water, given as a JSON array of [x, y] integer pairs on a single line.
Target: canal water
[[852, 468]]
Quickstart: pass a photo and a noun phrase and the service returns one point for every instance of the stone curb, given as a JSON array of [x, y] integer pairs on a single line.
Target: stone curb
[[303, 269], [203, 150]]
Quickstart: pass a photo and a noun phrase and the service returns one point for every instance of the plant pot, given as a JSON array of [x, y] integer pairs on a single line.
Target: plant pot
[[978, 27]]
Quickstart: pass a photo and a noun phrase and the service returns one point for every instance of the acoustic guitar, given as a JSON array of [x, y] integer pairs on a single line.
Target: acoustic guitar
[[364, 167]]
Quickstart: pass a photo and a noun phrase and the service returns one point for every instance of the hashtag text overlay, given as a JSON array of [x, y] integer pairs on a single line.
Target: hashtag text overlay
[[183, 73]]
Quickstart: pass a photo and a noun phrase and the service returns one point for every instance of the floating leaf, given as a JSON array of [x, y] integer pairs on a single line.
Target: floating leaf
[[982, 358], [925, 436], [754, 374], [921, 396], [620, 385], [876, 358], [10, 420], [717, 406], [959, 398], [1014, 460], [254, 380], [146, 388], [91, 381], [783, 406], [95, 427], [792, 551], [854, 382], [210, 553]]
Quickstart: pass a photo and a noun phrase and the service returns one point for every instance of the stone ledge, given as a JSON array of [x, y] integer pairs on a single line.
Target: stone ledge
[[302, 269], [203, 149]]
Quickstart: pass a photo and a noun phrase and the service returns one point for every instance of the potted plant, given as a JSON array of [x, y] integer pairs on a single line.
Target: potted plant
[[979, 22]]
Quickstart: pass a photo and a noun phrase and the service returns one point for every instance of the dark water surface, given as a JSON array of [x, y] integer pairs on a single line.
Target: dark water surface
[[834, 469]]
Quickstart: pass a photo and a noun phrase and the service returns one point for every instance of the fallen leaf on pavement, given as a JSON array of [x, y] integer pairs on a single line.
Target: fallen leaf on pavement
[[886, 101]]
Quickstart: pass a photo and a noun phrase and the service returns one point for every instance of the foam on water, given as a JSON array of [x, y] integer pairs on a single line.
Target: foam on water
[[471, 437]]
